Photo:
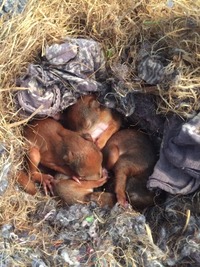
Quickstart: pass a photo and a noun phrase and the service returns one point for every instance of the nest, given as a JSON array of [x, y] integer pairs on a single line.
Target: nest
[[171, 27]]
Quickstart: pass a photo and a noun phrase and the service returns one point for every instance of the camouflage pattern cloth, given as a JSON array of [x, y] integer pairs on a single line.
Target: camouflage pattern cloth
[[67, 71], [77, 67], [156, 68]]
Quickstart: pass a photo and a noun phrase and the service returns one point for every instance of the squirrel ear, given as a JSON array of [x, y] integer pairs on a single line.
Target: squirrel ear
[[87, 136]]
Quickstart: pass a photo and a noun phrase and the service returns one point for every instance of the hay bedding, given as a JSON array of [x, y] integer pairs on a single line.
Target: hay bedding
[[36, 231]]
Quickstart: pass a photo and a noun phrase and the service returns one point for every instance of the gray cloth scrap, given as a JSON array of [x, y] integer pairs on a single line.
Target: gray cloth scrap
[[69, 70], [178, 168]]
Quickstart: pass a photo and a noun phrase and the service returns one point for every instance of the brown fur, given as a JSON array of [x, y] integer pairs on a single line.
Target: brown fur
[[87, 115], [103, 199], [72, 192], [131, 157], [61, 150], [27, 184]]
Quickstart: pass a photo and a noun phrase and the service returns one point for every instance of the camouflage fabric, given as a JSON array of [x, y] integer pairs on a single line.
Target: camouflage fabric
[[8, 7], [77, 67], [156, 68], [67, 71]]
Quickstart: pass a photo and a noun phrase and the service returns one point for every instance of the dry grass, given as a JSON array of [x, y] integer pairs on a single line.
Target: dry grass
[[117, 24]]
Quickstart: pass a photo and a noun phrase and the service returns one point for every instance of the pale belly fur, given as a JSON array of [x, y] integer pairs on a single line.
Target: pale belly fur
[[98, 130]]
